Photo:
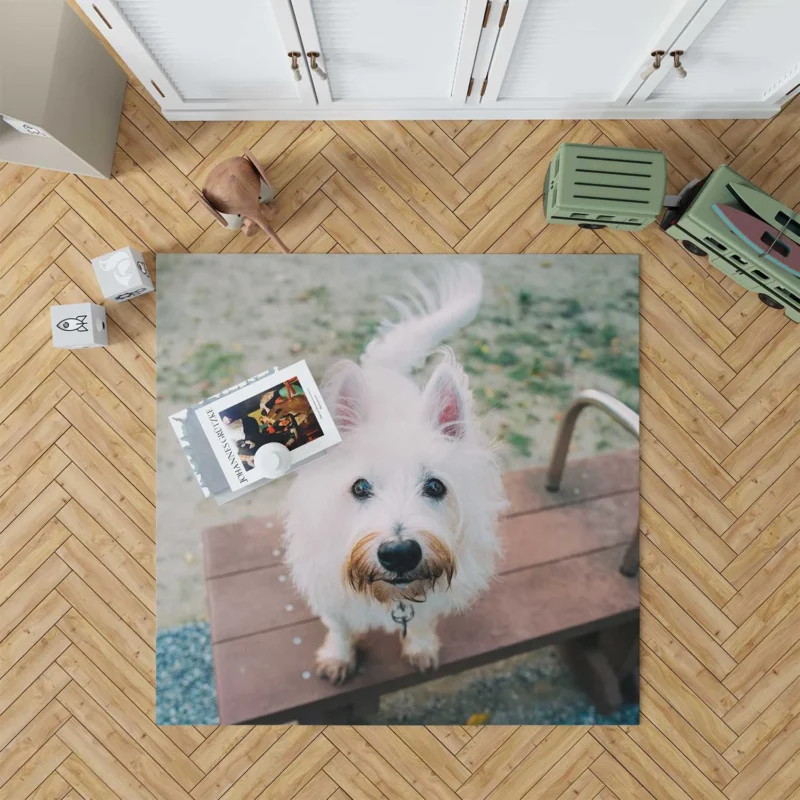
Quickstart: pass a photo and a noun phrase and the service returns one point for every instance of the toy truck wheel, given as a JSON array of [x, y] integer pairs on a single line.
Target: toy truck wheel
[[769, 301], [693, 248], [592, 226]]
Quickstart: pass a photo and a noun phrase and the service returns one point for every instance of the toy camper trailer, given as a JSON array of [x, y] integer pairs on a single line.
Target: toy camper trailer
[[605, 187]]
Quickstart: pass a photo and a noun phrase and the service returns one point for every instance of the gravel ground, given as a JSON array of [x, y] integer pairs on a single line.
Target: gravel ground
[[185, 693], [531, 689]]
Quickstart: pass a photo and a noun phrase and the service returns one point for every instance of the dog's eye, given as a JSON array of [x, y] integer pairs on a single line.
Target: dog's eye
[[434, 489], [361, 489]]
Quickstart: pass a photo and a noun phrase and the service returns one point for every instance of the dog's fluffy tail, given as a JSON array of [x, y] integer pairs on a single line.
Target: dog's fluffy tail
[[428, 315]]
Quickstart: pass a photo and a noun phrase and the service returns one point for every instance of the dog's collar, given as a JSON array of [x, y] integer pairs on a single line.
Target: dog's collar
[[402, 614]]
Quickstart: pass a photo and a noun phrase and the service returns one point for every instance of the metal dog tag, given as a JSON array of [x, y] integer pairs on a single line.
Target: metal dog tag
[[402, 615]]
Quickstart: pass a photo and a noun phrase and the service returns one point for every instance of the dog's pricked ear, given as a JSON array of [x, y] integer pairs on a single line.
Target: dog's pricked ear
[[346, 394], [446, 400]]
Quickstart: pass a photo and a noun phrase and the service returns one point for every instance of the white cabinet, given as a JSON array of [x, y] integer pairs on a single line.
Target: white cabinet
[[577, 53], [583, 57], [221, 57], [732, 51], [382, 54], [435, 59]]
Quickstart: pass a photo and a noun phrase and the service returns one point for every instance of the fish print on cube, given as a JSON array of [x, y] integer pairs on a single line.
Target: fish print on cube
[[122, 275]]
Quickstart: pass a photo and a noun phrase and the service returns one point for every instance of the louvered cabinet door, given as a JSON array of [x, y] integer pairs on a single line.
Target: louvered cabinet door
[[742, 51], [206, 54], [384, 54], [556, 55]]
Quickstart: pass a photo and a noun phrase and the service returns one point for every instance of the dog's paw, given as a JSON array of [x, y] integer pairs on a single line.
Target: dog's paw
[[335, 670], [336, 658], [423, 656]]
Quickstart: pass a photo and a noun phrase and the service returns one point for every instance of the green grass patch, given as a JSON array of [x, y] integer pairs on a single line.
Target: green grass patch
[[552, 388], [354, 341], [502, 321], [529, 338], [520, 442], [570, 308], [208, 369], [539, 368], [483, 352], [315, 293], [622, 366], [492, 398], [525, 301], [521, 372]]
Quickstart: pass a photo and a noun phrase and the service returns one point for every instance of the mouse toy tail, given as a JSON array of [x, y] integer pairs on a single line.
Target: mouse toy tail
[[263, 223]]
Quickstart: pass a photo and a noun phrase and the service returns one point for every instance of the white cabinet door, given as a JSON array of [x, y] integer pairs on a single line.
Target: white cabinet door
[[208, 54], [562, 54], [745, 51], [390, 54]]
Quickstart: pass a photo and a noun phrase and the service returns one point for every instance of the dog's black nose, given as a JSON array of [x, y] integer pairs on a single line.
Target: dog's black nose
[[400, 555]]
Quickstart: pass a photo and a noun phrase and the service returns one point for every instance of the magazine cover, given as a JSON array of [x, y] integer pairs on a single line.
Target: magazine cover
[[285, 407], [221, 435]]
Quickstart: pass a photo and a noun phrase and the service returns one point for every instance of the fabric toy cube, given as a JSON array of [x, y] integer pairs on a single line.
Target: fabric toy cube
[[78, 325], [122, 274]]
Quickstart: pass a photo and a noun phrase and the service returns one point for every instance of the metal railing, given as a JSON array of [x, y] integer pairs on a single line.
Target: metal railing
[[620, 413]]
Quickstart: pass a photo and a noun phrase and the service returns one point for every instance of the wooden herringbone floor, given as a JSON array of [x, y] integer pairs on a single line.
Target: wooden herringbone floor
[[720, 488]]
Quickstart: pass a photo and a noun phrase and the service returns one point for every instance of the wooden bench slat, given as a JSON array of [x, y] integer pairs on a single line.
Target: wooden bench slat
[[240, 546], [557, 533], [253, 601], [583, 479], [261, 676], [258, 600]]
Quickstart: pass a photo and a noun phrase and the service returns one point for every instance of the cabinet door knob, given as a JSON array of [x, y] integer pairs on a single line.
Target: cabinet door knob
[[676, 57], [296, 74], [657, 56], [313, 56]]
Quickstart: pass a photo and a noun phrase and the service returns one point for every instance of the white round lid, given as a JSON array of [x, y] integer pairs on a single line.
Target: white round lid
[[273, 460]]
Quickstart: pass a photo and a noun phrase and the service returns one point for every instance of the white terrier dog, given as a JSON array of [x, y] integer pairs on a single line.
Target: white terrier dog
[[396, 526]]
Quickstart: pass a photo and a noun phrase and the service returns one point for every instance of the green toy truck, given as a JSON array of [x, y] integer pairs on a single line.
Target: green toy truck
[[701, 231]]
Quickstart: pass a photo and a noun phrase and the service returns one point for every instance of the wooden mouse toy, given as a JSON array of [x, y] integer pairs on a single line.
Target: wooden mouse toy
[[234, 194]]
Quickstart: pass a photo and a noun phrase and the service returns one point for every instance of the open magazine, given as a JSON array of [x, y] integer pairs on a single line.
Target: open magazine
[[221, 434]]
